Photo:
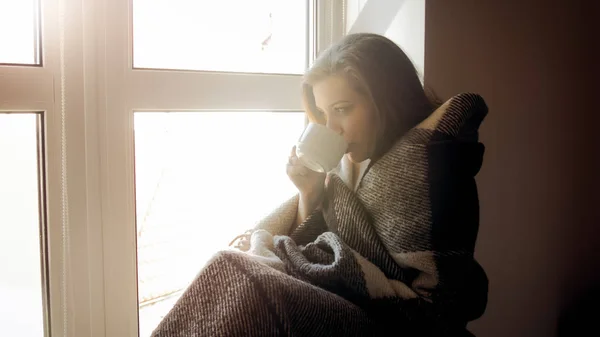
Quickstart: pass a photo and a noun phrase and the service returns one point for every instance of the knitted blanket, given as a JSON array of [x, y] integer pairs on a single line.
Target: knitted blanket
[[396, 257]]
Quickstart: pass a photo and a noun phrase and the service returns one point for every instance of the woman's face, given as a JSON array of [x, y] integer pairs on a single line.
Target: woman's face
[[347, 112]]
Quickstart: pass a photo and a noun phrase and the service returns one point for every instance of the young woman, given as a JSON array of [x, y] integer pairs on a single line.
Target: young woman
[[382, 245], [367, 89]]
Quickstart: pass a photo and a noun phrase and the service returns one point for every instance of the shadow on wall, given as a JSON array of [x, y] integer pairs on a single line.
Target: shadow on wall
[[580, 317], [533, 62]]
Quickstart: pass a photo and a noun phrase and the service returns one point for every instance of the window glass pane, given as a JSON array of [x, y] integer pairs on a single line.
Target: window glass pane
[[201, 179], [21, 294], [19, 31], [259, 36]]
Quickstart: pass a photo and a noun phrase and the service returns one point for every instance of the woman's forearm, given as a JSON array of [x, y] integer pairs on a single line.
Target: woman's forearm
[[306, 205]]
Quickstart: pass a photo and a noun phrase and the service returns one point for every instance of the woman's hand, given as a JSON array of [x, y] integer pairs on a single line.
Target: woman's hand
[[310, 184]]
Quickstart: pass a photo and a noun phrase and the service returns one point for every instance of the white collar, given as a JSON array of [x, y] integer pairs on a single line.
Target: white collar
[[346, 168]]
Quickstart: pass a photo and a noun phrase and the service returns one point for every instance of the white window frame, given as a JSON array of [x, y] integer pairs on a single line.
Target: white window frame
[[74, 296], [87, 78], [121, 90]]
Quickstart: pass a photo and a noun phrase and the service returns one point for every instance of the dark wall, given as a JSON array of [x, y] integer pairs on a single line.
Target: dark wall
[[533, 62]]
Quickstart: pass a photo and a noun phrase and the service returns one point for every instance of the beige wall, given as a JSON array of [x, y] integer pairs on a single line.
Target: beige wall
[[540, 231]]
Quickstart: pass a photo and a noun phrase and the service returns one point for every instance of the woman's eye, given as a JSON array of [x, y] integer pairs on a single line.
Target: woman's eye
[[342, 110]]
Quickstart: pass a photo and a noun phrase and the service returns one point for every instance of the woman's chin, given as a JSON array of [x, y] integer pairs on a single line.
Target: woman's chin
[[355, 157]]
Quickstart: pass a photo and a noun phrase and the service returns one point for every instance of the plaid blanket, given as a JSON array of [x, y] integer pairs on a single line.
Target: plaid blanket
[[393, 258]]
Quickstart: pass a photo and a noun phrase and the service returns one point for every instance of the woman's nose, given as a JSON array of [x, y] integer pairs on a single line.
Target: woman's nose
[[333, 125]]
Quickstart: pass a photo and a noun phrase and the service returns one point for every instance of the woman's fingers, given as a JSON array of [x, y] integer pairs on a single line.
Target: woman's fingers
[[293, 159], [306, 180], [293, 153], [296, 169]]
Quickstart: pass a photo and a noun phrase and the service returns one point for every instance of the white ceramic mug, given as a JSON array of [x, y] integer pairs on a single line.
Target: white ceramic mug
[[320, 148]]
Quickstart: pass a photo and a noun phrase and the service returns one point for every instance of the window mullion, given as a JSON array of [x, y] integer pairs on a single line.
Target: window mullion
[[68, 34], [26, 88], [116, 171], [330, 23], [166, 90]]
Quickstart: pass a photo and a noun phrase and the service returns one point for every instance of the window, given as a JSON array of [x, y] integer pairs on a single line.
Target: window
[[22, 242], [190, 169], [50, 230], [261, 36], [109, 71], [122, 88], [20, 32], [183, 104]]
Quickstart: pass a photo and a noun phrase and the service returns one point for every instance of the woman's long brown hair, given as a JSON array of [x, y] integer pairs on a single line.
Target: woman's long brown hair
[[379, 69]]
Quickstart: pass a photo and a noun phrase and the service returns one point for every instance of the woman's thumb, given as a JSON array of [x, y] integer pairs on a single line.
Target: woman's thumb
[[293, 153]]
